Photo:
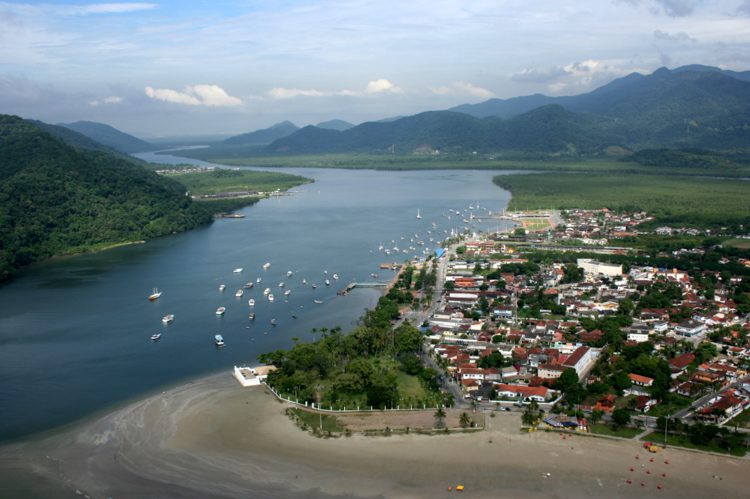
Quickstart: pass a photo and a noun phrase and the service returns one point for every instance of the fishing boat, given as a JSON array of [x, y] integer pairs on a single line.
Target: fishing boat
[[239, 293], [270, 296], [238, 270], [251, 316], [219, 340], [155, 337], [221, 310], [251, 302], [167, 319], [222, 287], [266, 265], [318, 302], [155, 294]]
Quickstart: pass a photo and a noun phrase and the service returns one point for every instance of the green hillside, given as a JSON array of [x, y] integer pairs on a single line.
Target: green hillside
[[109, 136], [56, 199]]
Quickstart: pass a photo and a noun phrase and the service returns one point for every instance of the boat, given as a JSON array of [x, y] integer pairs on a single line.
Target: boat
[[221, 310], [318, 302], [327, 283], [335, 277], [287, 292], [251, 316], [251, 302], [249, 285], [237, 270], [266, 291], [419, 217], [266, 265], [289, 273], [373, 275], [167, 319], [273, 321], [304, 281], [239, 293], [219, 340], [315, 286], [270, 296], [155, 337], [222, 287], [258, 280], [281, 284], [155, 294]]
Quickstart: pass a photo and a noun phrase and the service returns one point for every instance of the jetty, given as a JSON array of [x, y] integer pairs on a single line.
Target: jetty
[[353, 285]]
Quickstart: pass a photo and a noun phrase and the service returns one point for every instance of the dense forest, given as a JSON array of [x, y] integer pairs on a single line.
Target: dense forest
[[56, 199]]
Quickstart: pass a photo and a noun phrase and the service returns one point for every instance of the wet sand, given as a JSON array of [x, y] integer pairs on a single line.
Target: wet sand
[[213, 438]]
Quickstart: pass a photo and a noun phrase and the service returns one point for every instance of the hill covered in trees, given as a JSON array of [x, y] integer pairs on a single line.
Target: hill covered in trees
[[109, 136], [57, 199]]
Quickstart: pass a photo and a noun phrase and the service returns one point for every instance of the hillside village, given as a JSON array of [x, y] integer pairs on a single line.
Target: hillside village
[[589, 340]]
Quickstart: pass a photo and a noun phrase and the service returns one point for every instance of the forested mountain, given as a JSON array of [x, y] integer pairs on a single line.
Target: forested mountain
[[263, 136], [109, 136], [336, 124], [57, 199]]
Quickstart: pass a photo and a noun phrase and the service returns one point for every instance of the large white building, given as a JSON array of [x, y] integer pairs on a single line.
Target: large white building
[[599, 268]]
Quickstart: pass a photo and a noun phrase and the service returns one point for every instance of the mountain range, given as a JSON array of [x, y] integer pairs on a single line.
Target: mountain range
[[109, 136], [690, 106]]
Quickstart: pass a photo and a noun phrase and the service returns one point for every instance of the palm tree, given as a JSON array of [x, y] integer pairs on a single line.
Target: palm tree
[[465, 420], [439, 417]]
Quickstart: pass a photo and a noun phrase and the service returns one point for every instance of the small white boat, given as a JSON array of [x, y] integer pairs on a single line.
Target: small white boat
[[287, 292], [325, 272], [251, 302], [266, 265], [304, 281], [155, 337], [258, 280], [327, 283], [219, 340], [155, 294], [270, 296], [249, 285], [281, 284], [374, 275], [335, 277], [222, 287], [238, 270], [318, 302], [221, 310], [273, 321], [419, 217], [289, 273], [251, 316], [167, 319], [239, 293], [266, 291], [315, 286]]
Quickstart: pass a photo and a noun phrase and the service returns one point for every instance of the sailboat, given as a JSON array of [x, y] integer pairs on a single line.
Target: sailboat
[[155, 294], [419, 217]]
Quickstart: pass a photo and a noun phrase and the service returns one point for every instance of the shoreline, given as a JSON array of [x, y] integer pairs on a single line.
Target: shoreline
[[213, 438]]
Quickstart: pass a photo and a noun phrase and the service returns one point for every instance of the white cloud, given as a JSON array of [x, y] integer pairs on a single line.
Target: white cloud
[[106, 8], [463, 88], [680, 36], [279, 93], [672, 8], [744, 8], [382, 86], [194, 95], [112, 99], [572, 77]]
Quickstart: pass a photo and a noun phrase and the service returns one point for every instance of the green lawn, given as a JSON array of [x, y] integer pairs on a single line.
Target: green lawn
[[622, 432], [684, 441], [676, 403], [738, 243], [742, 420], [314, 420]]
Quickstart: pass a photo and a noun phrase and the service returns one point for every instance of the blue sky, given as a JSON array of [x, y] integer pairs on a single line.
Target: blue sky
[[161, 68]]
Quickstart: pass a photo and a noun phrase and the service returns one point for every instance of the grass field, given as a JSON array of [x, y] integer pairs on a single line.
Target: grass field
[[425, 162], [216, 181], [742, 420], [738, 243], [684, 441], [534, 224], [672, 200], [605, 429]]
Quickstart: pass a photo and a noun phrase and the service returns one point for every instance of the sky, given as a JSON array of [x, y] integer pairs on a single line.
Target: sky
[[175, 68]]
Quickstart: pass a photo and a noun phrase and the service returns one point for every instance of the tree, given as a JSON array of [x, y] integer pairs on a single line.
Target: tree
[[465, 420], [439, 417], [567, 380], [621, 381], [620, 417], [495, 359]]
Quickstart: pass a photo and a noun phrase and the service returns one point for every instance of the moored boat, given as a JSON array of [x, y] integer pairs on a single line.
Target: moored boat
[[266, 291], [222, 287], [251, 316], [167, 319], [251, 302], [270, 296], [219, 340], [155, 337], [289, 273], [249, 285], [266, 265], [273, 321], [327, 282], [155, 294], [238, 270], [287, 292], [317, 302], [239, 293], [221, 310], [335, 277]]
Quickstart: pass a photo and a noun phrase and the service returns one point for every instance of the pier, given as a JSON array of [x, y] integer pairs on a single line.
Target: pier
[[353, 285]]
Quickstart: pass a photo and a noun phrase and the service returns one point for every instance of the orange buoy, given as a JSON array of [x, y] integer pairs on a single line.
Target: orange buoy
[[450, 488]]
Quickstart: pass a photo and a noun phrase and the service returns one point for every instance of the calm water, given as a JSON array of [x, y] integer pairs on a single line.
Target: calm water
[[75, 333]]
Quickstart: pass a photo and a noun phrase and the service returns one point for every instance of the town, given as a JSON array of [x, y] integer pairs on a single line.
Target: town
[[597, 341]]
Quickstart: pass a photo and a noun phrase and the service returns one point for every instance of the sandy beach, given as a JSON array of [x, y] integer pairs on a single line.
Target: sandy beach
[[212, 438]]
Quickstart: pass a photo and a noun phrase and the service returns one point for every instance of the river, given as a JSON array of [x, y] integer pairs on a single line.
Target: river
[[75, 332]]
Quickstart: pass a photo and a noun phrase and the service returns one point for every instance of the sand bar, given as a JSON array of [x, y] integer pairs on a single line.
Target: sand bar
[[212, 438]]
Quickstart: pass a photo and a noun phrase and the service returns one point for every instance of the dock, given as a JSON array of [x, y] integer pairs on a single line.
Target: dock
[[353, 285]]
